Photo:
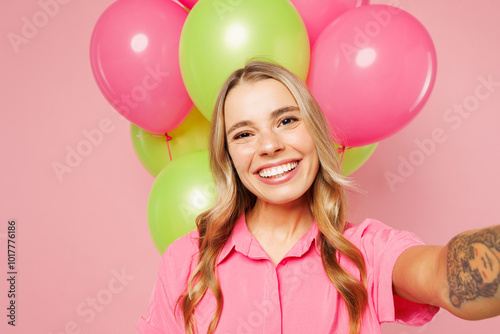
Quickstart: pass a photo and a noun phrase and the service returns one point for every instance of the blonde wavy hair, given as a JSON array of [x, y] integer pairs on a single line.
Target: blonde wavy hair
[[326, 198]]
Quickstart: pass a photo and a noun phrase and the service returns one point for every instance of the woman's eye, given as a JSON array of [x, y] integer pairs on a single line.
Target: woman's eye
[[241, 135], [288, 120]]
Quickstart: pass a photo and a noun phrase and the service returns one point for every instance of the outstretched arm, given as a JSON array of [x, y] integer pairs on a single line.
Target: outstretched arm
[[462, 277]]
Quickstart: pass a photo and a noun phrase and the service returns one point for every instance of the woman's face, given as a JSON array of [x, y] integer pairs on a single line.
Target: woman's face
[[485, 262], [269, 143]]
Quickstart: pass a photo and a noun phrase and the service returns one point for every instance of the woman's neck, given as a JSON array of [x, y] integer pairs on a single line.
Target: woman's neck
[[281, 222]]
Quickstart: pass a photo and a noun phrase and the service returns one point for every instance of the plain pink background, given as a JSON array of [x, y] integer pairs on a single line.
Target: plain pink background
[[73, 234]]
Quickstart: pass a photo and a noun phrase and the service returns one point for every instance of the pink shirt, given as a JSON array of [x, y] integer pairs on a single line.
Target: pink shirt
[[295, 296]]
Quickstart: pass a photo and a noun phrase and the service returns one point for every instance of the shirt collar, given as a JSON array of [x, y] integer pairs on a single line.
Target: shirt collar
[[242, 241]]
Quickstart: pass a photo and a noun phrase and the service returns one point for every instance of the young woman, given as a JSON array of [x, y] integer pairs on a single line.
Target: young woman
[[275, 253]]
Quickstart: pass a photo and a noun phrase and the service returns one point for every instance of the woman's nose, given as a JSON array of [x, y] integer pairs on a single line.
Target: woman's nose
[[269, 143]]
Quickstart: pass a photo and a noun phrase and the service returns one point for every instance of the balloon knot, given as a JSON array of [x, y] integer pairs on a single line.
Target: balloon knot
[[341, 150]]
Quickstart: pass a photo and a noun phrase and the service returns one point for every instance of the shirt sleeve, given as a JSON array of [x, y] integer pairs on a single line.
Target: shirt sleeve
[[173, 274], [381, 246]]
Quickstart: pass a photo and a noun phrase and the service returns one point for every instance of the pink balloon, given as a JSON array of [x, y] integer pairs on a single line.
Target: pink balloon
[[317, 14], [372, 71], [188, 3], [134, 57]]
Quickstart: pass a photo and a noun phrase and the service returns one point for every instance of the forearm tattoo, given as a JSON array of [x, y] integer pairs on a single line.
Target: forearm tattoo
[[473, 265]]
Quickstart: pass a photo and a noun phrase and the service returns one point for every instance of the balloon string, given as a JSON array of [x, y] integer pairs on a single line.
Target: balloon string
[[341, 150], [168, 146], [167, 137]]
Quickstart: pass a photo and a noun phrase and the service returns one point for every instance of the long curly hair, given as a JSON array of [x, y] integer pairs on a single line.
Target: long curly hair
[[326, 198]]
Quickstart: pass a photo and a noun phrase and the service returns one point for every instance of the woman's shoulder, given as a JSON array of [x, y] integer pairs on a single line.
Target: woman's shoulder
[[182, 249], [179, 259], [375, 233], [369, 225], [381, 245], [175, 267]]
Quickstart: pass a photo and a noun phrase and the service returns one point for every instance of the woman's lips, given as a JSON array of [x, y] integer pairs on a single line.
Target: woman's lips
[[282, 177]]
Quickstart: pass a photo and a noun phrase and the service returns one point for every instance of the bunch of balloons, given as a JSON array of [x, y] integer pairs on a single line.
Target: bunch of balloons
[[370, 67]]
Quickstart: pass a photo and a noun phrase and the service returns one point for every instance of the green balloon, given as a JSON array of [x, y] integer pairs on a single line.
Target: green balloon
[[221, 36], [184, 189], [153, 151], [355, 157]]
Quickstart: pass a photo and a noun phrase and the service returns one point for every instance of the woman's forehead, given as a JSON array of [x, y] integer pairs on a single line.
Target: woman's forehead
[[263, 95]]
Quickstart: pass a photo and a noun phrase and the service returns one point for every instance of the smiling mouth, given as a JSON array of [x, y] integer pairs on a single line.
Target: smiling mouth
[[278, 171]]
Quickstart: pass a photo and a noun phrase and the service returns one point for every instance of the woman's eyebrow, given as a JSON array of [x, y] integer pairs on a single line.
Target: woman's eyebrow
[[280, 111], [238, 125]]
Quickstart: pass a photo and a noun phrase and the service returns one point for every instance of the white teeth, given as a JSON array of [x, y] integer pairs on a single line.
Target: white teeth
[[278, 171]]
